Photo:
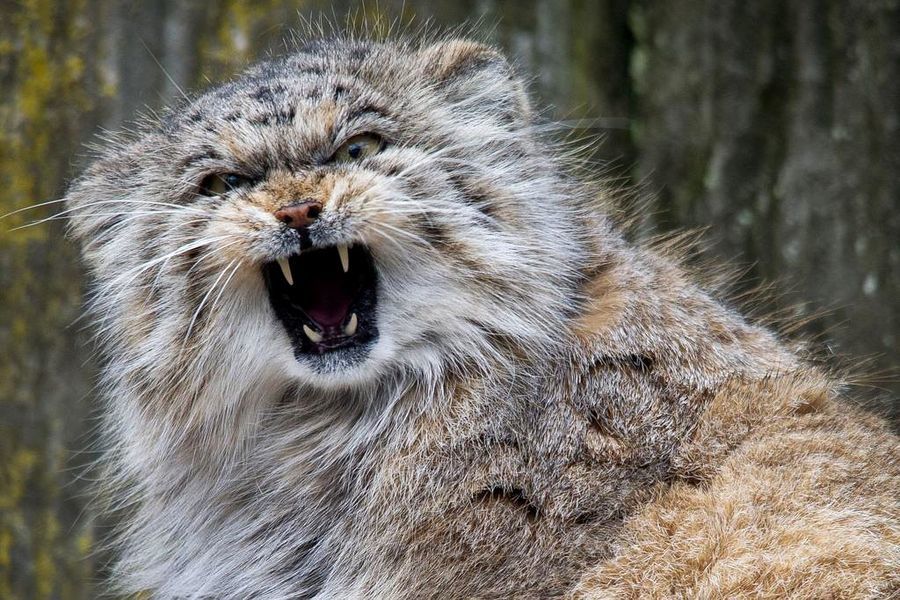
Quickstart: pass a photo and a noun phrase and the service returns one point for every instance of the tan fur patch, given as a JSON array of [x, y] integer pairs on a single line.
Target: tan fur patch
[[283, 188], [447, 57], [766, 524], [607, 303]]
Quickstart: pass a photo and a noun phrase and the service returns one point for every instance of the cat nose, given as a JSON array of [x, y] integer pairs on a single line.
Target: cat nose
[[300, 214]]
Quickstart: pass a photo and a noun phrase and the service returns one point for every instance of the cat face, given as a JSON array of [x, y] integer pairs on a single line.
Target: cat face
[[335, 216]]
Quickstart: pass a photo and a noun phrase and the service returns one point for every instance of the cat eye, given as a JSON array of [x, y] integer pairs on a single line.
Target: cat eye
[[222, 183], [359, 147]]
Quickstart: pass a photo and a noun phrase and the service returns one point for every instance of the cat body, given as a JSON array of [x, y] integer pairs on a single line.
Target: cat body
[[366, 337]]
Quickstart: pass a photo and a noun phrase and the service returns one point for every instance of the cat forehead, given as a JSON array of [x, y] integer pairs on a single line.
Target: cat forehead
[[370, 76], [297, 107]]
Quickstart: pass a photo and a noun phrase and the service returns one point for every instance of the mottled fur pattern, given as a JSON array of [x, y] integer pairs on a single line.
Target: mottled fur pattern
[[548, 410]]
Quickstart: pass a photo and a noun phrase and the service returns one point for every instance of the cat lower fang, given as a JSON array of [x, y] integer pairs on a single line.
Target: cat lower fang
[[350, 327], [313, 336], [349, 330]]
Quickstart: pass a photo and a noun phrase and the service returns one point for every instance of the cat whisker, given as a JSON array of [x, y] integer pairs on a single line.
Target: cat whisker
[[190, 327], [125, 278]]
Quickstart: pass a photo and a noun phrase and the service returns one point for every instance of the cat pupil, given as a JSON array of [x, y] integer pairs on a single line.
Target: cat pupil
[[354, 150]]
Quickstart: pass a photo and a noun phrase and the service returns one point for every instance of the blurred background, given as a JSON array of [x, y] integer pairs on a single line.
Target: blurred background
[[776, 124]]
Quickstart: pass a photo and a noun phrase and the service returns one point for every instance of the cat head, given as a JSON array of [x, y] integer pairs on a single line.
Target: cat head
[[336, 216]]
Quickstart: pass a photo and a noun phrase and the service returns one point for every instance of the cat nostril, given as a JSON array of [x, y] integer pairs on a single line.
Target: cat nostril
[[299, 215]]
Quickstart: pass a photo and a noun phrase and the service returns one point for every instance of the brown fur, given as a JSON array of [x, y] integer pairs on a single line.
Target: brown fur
[[784, 493], [547, 409], [766, 484], [780, 491]]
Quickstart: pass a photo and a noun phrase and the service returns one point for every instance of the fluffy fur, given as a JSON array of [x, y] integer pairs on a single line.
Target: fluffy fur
[[548, 410]]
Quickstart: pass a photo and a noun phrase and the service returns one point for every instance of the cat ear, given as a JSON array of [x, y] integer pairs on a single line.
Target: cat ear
[[467, 70], [447, 59]]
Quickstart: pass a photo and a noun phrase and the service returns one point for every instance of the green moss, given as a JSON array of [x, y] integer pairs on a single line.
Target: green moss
[[14, 474], [44, 46]]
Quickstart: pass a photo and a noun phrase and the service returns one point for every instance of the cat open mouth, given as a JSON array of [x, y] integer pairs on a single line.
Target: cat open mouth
[[326, 298]]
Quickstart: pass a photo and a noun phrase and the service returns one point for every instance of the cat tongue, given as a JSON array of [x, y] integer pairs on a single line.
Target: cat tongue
[[328, 302]]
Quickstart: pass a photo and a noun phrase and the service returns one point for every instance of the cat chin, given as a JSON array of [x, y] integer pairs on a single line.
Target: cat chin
[[355, 372], [346, 369], [342, 369]]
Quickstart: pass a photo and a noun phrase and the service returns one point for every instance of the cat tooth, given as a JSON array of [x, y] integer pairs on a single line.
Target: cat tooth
[[344, 252], [285, 265], [350, 327], [312, 335]]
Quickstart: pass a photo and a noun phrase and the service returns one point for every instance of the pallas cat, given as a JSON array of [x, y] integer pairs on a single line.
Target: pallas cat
[[366, 335]]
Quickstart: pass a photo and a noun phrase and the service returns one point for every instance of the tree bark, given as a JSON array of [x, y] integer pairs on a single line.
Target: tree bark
[[775, 125]]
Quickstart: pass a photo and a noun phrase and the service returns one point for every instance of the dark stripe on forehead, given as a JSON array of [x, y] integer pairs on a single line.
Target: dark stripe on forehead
[[277, 117], [197, 157], [312, 70], [306, 64], [360, 53], [280, 109], [266, 94], [367, 111]]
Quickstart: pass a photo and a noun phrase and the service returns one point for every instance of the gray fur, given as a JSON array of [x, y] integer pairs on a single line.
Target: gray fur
[[486, 446]]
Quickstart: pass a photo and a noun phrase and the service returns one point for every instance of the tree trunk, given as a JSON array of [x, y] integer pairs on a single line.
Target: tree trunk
[[775, 124]]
